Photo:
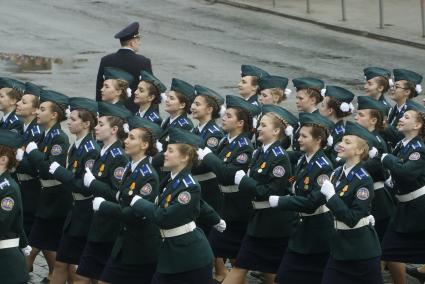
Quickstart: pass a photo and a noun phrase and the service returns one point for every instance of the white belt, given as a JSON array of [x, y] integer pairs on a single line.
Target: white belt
[[342, 226], [207, 176], [412, 195], [378, 185], [10, 243], [24, 177], [181, 230], [79, 196], [49, 182], [229, 188], [320, 210], [260, 204]]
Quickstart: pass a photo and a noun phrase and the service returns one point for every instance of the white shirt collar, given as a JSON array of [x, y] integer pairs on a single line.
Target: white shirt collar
[[142, 113], [125, 47], [78, 142], [401, 107], [104, 149], [5, 116], [231, 140], [405, 142], [46, 132], [201, 127], [26, 126], [308, 158], [265, 147], [347, 170], [173, 176], [135, 164], [172, 119]]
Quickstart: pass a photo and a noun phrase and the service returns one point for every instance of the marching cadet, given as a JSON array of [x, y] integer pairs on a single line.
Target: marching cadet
[[135, 252], [233, 153], [335, 106], [355, 249], [273, 90], [268, 229], [12, 238], [370, 114], [148, 97], [406, 86], [248, 85], [11, 91], [55, 200], [377, 84], [206, 108], [26, 174], [308, 248], [83, 152], [115, 88], [184, 255], [103, 181], [403, 241]]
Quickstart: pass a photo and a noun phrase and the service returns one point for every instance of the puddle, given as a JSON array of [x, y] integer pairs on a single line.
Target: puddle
[[23, 63]]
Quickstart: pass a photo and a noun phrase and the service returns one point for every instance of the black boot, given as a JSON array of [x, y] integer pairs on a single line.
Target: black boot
[[414, 272]]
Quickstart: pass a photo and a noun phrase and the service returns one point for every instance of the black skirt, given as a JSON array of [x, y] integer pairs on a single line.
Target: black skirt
[[70, 249], [202, 275], [260, 254], [353, 271], [227, 244], [302, 268], [404, 247], [381, 227], [116, 273], [94, 258], [46, 234]]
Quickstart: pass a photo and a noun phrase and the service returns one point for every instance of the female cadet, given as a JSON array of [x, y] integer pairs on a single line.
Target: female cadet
[[185, 255], [248, 85], [103, 181], [115, 88], [11, 91], [268, 229], [12, 237], [83, 153], [404, 240], [370, 115], [206, 109], [273, 90], [308, 248], [355, 249], [26, 174], [134, 255], [148, 97], [233, 153], [335, 106], [377, 84], [55, 200]]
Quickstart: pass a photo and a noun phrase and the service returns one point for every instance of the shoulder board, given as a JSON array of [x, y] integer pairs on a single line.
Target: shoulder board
[[183, 121], [213, 129], [361, 174], [278, 151], [35, 130], [321, 162], [254, 103], [55, 133], [13, 118], [4, 183], [243, 142], [115, 152], [188, 180], [340, 129], [254, 153], [145, 170], [416, 145], [89, 146], [153, 116], [378, 138]]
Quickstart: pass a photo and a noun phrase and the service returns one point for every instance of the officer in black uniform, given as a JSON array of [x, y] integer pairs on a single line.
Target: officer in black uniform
[[126, 59]]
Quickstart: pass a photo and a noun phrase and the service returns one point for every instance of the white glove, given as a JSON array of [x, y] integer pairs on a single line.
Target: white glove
[[134, 200], [389, 182], [117, 196], [221, 226], [273, 200], [88, 178], [31, 146], [53, 167], [19, 154], [371, 220], [238, 176], [203, 152], [383, 157], [373, 152], [96, 203], [159, 146], [327, 189], [26, 250]]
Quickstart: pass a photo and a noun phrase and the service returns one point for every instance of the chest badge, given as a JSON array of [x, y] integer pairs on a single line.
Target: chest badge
[[262, 166]]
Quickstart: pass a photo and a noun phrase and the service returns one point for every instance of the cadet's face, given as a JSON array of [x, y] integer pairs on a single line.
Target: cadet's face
[[349, 147], [229, 120], [109, 92], [44, 113], [75, 123], [306, 140], [266, 97], [172, 157], [364, 119], [324, 108], [141, 95], [372, 88], [199, 108], [24, 107], [133, 142], [408, 122], [5, 101], [172, 103], [303, 101], [266, 130], [103, 129], [245, 86], [398, 91]]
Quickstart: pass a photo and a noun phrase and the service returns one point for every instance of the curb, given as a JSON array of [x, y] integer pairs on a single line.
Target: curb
[[325, 25]]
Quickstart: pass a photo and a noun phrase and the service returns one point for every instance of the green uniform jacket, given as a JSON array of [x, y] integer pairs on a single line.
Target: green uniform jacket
[[151, 114], [77, 222], [54, 201], [337, 133], [139, 239], [177, 205], [352, 202], [269, 175], [231, 158], [407, 172], [108, 170], [13, 268], [179, 122], [313, 233], [12, 123], [385, 103], [391, 133]]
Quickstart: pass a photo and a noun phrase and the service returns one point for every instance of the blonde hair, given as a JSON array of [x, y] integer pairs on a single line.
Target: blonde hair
[[278, 122]]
